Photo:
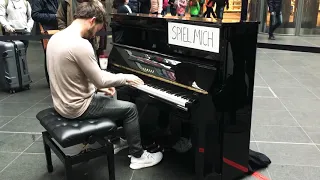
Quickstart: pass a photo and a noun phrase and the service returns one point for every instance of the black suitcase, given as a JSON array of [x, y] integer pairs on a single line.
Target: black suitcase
[[14, 74]]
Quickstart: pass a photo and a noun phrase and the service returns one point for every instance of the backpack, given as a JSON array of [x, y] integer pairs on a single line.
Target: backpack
[[25, 2], [257, 161]]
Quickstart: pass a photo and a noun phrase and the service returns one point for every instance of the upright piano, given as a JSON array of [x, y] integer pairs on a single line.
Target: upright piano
[[197, 66]]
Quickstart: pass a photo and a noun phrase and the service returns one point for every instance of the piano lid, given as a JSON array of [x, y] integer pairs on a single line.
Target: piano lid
[[164, 69]]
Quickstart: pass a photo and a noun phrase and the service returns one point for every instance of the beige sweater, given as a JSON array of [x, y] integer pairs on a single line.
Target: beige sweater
[[156, 6], [74, 73]]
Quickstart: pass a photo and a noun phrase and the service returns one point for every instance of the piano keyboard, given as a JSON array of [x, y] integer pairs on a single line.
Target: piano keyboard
[[181, 101]]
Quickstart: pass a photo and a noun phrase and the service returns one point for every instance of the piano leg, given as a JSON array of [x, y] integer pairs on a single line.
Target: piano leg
[[206, 136]]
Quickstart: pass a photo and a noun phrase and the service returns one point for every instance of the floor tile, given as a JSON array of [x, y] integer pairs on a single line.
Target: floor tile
[[313, 133], [169, 169], [307, 118], [263, 92], [29, 96], [13, 109], [291, 154], [301, 104], [298, 92], [258, 81], [280, 134], [290, 61], [4, 120], [33, 111], [253, 146], [284, 172], [267, 104], [272, 118], [10, 142], [315, 91], [4, 95], [294, 69], [32, 167], [6, 158], [263, 172], [280, 79], [307, 79], [47, 100], [268, 66], [23, 124]]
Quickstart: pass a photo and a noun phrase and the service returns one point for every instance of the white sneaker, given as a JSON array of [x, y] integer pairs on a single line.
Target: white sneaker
[[122, 144], [183, 145], [146, 160]]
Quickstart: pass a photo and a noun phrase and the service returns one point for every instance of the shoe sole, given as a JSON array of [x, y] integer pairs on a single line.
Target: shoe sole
[[141, 166]]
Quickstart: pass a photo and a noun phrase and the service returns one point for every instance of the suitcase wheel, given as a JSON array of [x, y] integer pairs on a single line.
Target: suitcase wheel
[[12, 91], [27, 87]]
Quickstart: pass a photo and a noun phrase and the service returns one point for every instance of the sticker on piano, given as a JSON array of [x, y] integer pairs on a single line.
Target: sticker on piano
[[194, 36]]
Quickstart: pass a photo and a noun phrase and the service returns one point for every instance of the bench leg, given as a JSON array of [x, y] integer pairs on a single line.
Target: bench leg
[[110, 156], [68, 169], [47, 151]]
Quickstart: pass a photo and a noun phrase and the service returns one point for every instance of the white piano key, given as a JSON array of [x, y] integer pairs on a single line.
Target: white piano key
[[164, 95]]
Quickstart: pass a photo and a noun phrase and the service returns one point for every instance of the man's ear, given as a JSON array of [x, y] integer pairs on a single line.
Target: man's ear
[[93, 20]]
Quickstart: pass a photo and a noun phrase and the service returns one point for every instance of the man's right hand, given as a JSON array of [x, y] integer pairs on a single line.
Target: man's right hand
[[133, 80], [9, 29]]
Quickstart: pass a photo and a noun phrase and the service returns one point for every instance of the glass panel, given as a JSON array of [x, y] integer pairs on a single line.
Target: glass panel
[[288, 10], [310, 21], [233, 13]]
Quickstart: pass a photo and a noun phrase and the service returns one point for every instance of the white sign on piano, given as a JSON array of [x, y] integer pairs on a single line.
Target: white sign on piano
[[194, 36]]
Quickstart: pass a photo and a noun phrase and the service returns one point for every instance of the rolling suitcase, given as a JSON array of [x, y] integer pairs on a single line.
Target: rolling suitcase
[[14, 74]]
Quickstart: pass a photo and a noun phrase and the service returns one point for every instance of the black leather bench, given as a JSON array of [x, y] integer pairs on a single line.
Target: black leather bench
[[69, 133]]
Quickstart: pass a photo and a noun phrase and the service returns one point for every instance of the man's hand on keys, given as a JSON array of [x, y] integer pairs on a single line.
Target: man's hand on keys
[[133, 80]]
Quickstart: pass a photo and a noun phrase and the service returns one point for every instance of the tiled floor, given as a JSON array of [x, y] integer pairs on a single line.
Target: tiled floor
[[291, 40], [286, 125]]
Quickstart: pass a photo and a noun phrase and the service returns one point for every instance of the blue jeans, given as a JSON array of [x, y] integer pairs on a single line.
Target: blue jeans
[[219, 12], [117, 110], [275, 21]]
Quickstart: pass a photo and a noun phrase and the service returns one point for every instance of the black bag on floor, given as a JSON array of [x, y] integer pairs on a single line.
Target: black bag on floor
[[14, 74], [257, 161]]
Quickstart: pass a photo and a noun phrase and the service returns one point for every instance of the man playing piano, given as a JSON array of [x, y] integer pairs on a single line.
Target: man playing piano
[[75, 76]]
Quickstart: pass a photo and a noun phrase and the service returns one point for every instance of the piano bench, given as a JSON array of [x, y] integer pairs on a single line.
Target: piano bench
[[70, 132]]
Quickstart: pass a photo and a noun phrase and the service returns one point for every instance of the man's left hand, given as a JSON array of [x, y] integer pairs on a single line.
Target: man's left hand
[[108, 91]]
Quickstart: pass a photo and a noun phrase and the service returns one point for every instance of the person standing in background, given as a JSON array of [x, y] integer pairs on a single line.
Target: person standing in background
[[164, 7], [156, 7], [220, 4], [194, 8], [275, 16], [122, 6], [210, 5], [244, 10], [16, 15], [45, 13], [173, 8], [201, 3], [181, 7], [145, 6]]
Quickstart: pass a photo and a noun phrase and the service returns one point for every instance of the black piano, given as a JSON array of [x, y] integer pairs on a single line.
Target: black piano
[[198, 67]]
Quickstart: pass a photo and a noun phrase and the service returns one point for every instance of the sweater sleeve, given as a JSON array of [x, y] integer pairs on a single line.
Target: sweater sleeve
[[30, 21], [3, 12], [86, 60]]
